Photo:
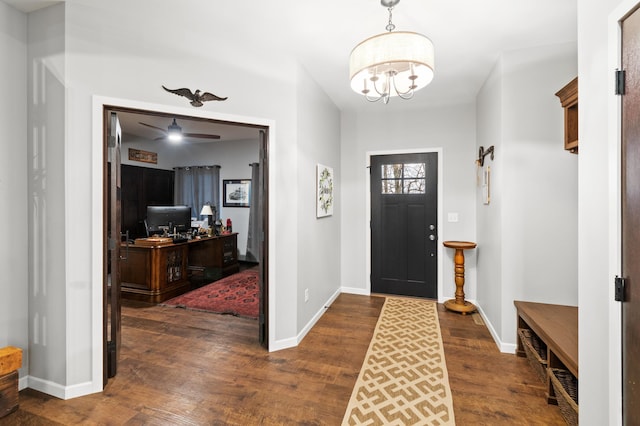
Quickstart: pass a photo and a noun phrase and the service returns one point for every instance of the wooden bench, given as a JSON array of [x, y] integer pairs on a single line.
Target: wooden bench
[[10, 362], [557, 327]]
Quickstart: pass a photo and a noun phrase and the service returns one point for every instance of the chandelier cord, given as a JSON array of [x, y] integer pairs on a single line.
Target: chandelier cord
[[390, 27]]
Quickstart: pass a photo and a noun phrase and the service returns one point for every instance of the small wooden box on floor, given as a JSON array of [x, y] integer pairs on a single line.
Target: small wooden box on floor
[[10, 362]]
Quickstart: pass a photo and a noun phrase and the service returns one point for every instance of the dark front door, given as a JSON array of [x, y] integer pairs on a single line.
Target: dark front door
[[631, 220], [404, 209]]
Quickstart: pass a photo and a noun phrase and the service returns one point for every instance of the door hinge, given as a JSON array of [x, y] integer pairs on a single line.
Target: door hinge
[[111, 244], [620, 284], [620, 78]]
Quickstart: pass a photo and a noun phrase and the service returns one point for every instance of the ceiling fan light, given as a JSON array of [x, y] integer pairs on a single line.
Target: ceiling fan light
[[174, 133]]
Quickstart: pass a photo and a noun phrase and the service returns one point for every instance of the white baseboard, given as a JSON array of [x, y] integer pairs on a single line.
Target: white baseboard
[[295, 341], [23, 382], [355, 290], [281, 344], [509, 348], [60, 391]]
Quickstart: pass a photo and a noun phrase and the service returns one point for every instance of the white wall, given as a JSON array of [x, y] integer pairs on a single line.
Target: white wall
[[379, 127], [533, 252], [13, 183], [489, 216], [128, 56], [599, 327], [318, 238], [233, 157], [49, 278]]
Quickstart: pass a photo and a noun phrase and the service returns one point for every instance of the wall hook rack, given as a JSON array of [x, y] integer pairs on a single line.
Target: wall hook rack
[[483, 153]]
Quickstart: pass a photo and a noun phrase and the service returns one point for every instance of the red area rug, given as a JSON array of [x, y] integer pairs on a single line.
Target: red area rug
[[233, 295]]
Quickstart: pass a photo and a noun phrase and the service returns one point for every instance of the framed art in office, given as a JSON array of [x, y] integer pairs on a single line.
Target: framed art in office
[[236, 192]]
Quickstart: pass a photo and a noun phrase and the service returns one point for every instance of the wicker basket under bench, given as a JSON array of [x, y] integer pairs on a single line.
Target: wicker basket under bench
[[548, 337]]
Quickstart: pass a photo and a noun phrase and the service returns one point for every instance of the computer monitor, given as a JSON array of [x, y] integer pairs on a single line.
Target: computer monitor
[[161, 218]]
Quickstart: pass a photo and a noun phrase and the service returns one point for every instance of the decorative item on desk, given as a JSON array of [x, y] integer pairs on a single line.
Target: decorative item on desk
[[229, 228], [207, 211]]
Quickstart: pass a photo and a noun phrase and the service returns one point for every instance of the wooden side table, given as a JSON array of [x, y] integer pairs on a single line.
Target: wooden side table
[[459, 304]]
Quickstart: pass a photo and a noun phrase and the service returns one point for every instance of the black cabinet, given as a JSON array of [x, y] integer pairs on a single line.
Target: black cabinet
[[142, 187]]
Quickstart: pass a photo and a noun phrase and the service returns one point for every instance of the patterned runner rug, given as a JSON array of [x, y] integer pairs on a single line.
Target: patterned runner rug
[[403, 380]]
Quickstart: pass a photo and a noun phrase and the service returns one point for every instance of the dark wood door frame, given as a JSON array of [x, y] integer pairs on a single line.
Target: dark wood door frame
[[441, 293], [630, 218], [264, 334]]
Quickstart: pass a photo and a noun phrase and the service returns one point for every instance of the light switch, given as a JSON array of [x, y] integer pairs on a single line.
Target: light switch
[[452, 217]]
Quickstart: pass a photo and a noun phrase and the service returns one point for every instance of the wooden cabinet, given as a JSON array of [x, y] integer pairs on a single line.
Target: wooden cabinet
[[569, 100], [555, 328], [213, 258], [142, 187]]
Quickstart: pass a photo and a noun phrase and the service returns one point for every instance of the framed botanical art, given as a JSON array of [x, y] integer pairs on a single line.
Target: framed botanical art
[[324, 191], [236, 193]]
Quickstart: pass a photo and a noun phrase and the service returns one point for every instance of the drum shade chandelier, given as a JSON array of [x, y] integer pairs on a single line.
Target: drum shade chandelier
[[392, 63]]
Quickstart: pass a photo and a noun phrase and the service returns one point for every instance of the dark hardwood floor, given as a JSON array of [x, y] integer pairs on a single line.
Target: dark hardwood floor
[[194, 368]]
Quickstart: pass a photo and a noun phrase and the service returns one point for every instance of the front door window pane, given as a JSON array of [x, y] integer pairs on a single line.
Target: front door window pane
[[391, 171], [403, 178], [392, 186], [414, 170]]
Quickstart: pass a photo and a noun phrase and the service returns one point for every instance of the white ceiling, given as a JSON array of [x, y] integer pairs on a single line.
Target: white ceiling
[[468, 35]]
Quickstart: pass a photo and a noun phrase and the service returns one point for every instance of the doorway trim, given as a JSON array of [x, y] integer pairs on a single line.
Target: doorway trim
[[97, 208], [614, 132], [367, 222]]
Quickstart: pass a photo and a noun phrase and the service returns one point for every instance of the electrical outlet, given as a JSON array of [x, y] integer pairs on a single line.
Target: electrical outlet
[[306, 294]]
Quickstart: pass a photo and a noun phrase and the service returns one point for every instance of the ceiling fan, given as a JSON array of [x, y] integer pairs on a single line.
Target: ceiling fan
[[174, 133]]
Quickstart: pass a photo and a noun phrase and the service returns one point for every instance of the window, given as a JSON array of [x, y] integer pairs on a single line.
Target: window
[[403, 178]]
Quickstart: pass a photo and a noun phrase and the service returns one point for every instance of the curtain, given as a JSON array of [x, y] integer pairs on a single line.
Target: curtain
[[196, 186], [255, 209]]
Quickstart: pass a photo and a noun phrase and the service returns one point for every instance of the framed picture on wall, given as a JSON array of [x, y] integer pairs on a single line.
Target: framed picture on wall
[[486, 185], [324, 191], [236, 192]]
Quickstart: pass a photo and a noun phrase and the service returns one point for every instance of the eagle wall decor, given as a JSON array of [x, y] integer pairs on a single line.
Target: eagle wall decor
[[196, 98]]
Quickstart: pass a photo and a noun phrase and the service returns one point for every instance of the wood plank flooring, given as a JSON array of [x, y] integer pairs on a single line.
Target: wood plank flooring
[[194, 368]]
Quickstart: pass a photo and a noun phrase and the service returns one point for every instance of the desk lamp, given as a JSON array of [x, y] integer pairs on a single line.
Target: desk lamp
[[206, 211]]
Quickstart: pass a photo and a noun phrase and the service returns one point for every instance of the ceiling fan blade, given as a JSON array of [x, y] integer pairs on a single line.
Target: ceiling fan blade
[[201, 135], [153, 127]]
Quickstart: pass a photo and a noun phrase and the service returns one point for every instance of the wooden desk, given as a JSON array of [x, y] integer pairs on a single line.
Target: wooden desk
[[155, 273], [557, 327]]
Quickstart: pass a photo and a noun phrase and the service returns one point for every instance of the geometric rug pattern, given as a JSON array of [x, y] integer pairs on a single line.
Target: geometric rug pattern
[[404, 379], [236, 294]]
